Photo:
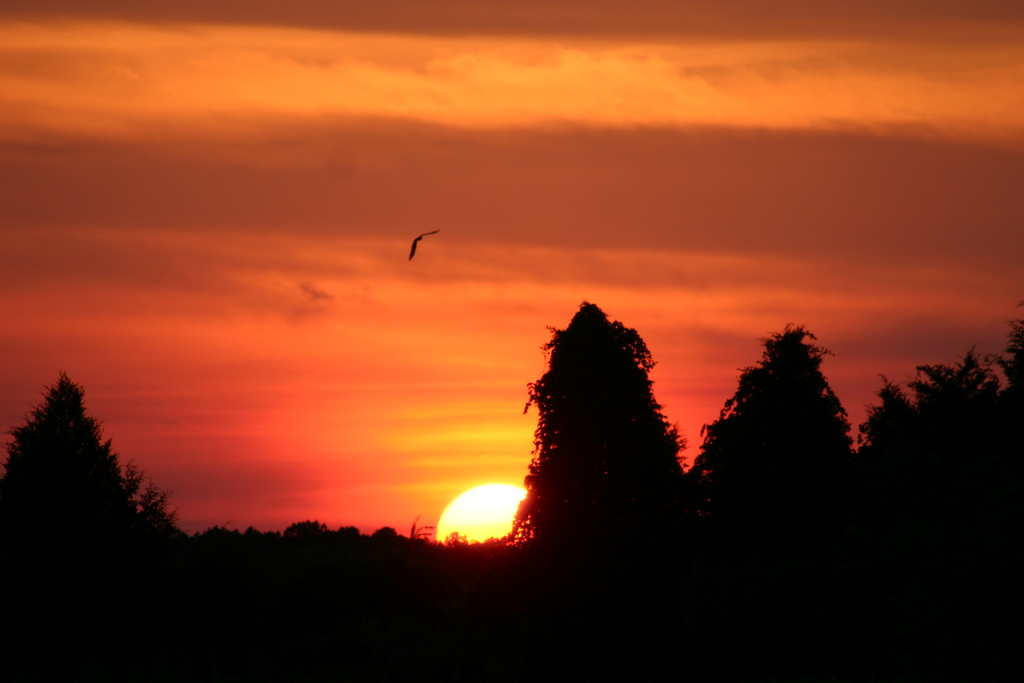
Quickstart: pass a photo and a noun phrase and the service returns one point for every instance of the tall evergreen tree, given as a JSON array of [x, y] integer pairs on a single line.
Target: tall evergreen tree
[[769, 476], [63, 483], [77, 546], [606, 460]]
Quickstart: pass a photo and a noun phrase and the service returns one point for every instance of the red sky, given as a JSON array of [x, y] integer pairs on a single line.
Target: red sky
[[206, 210]]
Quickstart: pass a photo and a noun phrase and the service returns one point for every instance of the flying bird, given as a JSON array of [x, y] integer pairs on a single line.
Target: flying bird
[[413, 251]]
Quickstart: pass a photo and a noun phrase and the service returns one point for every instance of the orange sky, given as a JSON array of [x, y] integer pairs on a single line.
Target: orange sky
[[206, 214]]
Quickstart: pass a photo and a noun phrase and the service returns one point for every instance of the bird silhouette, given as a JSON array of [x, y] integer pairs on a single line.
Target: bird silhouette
[[413, 251]]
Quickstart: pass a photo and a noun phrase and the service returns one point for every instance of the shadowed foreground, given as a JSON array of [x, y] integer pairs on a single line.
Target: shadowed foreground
[[782, 554]]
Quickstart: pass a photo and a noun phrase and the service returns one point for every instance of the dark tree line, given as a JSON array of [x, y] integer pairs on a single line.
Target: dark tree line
[[792, 553], [783, 553]]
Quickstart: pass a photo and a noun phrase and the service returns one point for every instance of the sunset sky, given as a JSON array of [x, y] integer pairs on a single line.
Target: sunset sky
[[206, 210]]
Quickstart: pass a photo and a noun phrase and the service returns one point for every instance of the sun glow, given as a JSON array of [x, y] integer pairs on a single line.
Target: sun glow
[[481, 513]]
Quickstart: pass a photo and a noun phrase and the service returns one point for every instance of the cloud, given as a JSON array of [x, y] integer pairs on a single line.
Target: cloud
[[710, 190], [138, 81], [316, 295], [602, 18]]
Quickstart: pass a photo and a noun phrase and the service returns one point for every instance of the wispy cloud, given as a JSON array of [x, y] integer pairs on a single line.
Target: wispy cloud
[[99, 79], [316, 295]]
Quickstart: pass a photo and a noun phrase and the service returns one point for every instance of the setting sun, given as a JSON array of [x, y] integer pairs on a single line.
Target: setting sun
[[481, 513]]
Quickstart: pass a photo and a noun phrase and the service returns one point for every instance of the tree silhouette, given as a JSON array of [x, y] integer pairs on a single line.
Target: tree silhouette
[[81, 542], [941, 511], [1011, 398], [769, 475], [1013, 367], [945, 439], [306, 530], [64, 485], [951, 414], [950, 410], [605, 459]]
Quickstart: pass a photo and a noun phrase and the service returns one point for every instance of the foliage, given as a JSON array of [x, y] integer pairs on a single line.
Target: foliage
[[420, 532], [945, 441], [63, 481], [455, 539], [940, 513], [1013, 366], [605, 458], [82, 541], [770, 472], [307, 529], [949, 411], [1011, 398]]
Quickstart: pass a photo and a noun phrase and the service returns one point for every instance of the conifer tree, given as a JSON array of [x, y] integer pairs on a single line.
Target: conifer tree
[[77, 555], [769, 477], [606, 460], [63, 483]]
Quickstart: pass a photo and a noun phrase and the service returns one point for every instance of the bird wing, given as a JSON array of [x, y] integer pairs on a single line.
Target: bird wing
[[412, 252]]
